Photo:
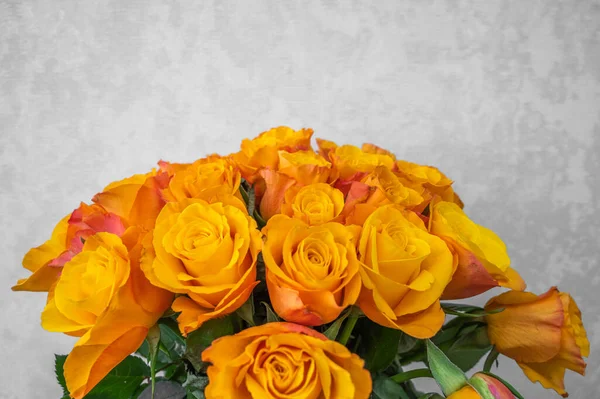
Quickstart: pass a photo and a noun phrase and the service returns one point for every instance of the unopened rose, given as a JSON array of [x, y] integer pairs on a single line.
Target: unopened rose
[[543, 333]]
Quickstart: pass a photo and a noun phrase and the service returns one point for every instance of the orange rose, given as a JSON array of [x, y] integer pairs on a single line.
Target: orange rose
[[465, 392], [482, 260], [311, 271], [543, 333], [305, 167], [325, 147], [137, 199], [390, 190], [313, 204], [283, 360], [207, 251], [378, 188], [433, 181], [204, 178], [102, 297], [46, 261], [429, 176], [404, 272], [263, 151], [373, 149], [350, 161], [295, 169]]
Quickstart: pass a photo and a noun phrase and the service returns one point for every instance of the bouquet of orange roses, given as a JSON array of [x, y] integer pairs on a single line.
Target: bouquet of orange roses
[[282, 271]]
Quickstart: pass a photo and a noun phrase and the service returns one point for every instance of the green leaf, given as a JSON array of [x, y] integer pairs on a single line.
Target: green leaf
[[246, 311], [460, 310], [510, 387], [203, 337], [59, 363], [379, 344], [171, 340], [244, 193], [271, 315], [259, 219], [251, 203], [449, 331], [122, 381], [144, 350], [431, 395], [334, 328], [195, 385], [386, 388], [407, 343], [164, 390], [410, 374], [176, 372], [449, 377], [469, 348]]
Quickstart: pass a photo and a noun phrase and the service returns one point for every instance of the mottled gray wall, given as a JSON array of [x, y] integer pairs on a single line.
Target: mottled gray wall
[[502, 95]]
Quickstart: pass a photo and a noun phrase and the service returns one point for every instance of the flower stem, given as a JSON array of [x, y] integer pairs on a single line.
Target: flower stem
[[489, 361], [409, 375], [348, 327]]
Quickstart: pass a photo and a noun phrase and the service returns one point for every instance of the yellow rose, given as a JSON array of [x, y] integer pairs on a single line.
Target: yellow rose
[[305, 167], [311, 271], [46, 261], [373, 149], [207, 251], [313, 204], [429, 175], [204, 178], [404, 271], [284, 360], [102, 297], [350, 161], [263, 151], [390, 190], [378, 188], [543, 333], [482, 258], [429, 178]]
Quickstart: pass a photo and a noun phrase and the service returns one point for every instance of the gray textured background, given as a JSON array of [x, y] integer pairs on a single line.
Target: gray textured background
[[503, 96]]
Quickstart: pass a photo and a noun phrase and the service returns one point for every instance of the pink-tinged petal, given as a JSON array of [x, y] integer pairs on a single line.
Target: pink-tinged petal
[[289, 306], [487, 385], [96, 219], [63, 258], [470, 278], [357, 193], [276, 186]]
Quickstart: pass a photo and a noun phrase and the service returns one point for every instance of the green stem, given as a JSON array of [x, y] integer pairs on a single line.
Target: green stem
[[153, 374], [409, 375], [348, 327], [489, 362]]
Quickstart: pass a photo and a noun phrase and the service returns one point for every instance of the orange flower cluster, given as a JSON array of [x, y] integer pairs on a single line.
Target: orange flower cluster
[[336, 226]]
